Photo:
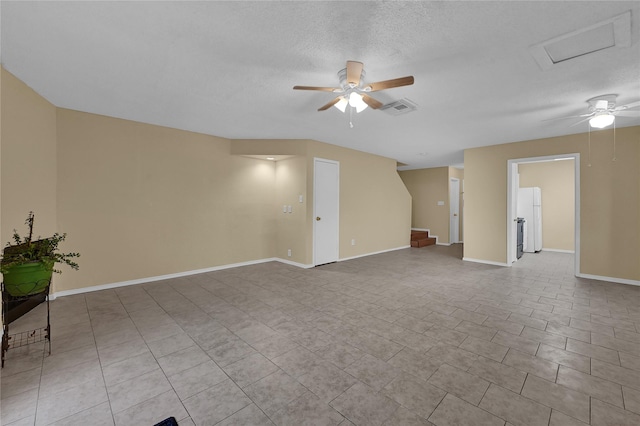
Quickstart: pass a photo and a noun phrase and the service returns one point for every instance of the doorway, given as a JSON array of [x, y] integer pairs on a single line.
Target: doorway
[[326, 211], [454, 210], [512, 194]]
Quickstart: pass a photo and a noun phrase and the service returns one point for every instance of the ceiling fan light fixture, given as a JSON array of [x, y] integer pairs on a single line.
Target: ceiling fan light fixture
[[602, 120], [356, 101], [342, 104]]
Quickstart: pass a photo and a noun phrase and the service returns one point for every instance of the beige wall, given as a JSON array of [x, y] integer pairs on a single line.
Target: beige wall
[[427, 187], [139, 200], [28, 160], [556, 181], [609, 196], [291, 182], [375, 206]]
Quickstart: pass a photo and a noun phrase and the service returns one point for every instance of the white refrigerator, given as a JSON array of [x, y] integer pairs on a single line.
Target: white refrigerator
[[530, 208]]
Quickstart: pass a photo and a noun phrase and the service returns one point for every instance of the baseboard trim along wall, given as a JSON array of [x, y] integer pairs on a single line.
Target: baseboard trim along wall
[[71, 292], [610, 279], [162, 277], [559, 250], [487, 262], [375, 252]]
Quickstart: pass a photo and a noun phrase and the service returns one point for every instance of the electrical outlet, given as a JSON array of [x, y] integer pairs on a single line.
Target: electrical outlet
[[289, 252], [353, 242]]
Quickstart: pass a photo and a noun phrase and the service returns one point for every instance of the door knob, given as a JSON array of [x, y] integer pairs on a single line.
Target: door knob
[[455, 214], [317, 217]]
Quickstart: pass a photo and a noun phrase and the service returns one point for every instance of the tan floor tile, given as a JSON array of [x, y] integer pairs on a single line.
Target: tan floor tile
[[364, 406], [570, 402], [601, 389], [498, 373], [230, 352], [621, 375], [216, 404], [99, 415], [631, 399], [416, 395], [373, 372], [274, 392], [249, 415], [528, 321], [486, 349], [136, 390], [479, 331], [415, 363], [603, 414], [307, 410], [474, 317], [504, 325], [560, 419], [403, 417], [562, 357], [250, 369], [629, 361], [443, 353], [544, 337], [70, 401], [514, 408], [531, 364], [274, 346], [196, 379], [20, 382], [152, 411], [574, 333], [632, 348], [593, 351], [467, 386], [18, 406], [591, 326], [520, 343], [454, 411], [446, 335]]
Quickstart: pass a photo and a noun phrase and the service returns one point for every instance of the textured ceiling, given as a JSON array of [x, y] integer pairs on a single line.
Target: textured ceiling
[[228, 68]]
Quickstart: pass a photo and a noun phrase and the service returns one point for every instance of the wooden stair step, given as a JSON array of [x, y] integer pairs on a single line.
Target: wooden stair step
[[423, 242], [419, 235]]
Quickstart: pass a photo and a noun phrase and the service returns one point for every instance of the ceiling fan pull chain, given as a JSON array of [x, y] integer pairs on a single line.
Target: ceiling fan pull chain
[[350, 117]]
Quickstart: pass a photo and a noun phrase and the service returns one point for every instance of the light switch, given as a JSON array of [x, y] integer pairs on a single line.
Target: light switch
[[441, 203], [300, 198], [284, 209], [289, 209]]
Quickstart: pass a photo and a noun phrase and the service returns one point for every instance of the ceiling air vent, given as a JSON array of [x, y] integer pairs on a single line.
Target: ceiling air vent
[[403, 106], [612, 33]]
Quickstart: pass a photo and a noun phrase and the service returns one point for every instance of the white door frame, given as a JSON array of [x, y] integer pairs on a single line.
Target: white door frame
[[315, 206], [510, 217], [454, 231]]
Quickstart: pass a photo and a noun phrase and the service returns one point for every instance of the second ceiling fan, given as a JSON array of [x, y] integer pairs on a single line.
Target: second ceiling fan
[[353, 91]]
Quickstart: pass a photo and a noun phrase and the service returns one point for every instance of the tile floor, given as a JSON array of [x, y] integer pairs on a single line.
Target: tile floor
[[411, 337]]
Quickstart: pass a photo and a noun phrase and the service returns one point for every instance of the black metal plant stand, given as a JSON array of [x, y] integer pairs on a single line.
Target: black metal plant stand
[[23, 338]]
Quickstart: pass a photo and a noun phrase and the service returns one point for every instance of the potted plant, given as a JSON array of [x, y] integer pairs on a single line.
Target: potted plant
[[27, 265]]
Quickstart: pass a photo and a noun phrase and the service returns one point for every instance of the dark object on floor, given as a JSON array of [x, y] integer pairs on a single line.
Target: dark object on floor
[[171, 421]]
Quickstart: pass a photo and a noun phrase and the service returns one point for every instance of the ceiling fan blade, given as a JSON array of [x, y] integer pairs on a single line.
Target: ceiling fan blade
[[330, 104], [581, 121], [373, 103], [627, 113], [571, 116], [388, 84], [322, 89], [631, 105], [354, 71]]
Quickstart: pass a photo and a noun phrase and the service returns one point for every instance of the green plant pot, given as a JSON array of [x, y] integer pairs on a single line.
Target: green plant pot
[[27, 279]]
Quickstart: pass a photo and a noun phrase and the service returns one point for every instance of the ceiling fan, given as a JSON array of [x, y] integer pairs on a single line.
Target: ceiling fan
[[353, 91], [603, 112]]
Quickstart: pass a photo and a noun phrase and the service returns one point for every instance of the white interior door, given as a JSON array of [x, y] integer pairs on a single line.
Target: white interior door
[[454, 210], [514, 188], [326, 210]]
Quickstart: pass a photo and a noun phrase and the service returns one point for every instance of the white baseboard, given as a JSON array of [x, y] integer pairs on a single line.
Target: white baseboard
[[487, 262], [375, 252], [292, 263], [610, 279], [158, 278], [558, 250], [442, 244], [71, 292]]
